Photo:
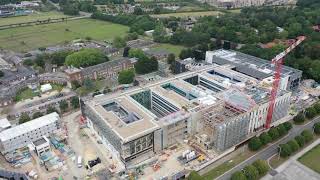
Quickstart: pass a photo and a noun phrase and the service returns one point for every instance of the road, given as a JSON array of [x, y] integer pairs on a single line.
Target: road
[[270, 150]]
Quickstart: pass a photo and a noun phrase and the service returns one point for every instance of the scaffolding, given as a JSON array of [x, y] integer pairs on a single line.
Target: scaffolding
[[225, 124], [215, 115]]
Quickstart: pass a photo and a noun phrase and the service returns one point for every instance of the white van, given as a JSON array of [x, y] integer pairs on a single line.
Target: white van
[[79, 162]]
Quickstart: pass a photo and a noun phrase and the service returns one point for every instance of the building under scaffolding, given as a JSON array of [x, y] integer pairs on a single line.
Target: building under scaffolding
[[225, 125], [218, 105]]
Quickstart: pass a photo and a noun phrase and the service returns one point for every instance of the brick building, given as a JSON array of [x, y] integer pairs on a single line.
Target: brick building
[[108, 69]]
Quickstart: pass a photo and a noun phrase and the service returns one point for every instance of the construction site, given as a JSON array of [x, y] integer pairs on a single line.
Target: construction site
[[192, 119]]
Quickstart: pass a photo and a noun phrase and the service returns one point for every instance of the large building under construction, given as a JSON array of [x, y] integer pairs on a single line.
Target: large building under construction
[[216, 106]]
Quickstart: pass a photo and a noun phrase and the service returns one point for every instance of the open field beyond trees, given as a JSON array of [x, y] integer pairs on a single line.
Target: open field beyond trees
[[23, 39], [311, 159], [32, 17], [188, 14], [175, 49]]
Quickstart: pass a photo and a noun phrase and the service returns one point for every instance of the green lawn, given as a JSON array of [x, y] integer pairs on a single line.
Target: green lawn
[[57, 87], [25, 94], [98, 85], [23, 39], [219, 170], [32, 17], [176, 49], [188, 14], [311, 159]]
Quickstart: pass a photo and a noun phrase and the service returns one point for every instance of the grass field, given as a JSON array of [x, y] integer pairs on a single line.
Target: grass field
[[23, 39], [311, 159], [219, 170], [176, 49], [25, 94], [188, 14], [33, 17]]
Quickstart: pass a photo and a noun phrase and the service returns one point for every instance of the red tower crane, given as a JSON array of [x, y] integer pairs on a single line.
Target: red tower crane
[[277, 62]]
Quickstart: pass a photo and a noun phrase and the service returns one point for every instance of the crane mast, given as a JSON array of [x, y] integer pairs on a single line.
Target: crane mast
[[277, 62]]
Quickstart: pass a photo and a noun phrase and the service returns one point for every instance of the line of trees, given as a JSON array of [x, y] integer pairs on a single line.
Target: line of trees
[[309, 113], [295, 144], [138, 24], [273, 134], [254, 171], [71, 7]]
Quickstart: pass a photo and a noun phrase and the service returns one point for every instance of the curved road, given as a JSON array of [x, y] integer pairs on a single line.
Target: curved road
[[270, 150]]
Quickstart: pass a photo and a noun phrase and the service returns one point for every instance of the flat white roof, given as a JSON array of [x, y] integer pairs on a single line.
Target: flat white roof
[[29, 126], [4, 123]]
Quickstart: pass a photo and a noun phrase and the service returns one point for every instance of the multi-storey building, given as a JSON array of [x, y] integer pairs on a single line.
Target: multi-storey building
[[108, 69], [26, 133], [215, 106], [260, 69]]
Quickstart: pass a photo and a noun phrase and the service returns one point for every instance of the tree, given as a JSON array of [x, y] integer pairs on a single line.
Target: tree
[[159, 33], [36, 115], [300, 140], [63, 105], [119, 42], [287, 125], [126, 76], [137, 11], [59, 57], [1, 73], [307, 134], [186, 53], [131, 36], [40, 60], [265, 138], [171, 58], [131, 2], [52, 109], [28, 62], [194, 176], [85, 58], [157, 10], [75, 102], [282, 130], [317, 107], [311, 112], [126, 51], [251, 172], [261, 166], [299, 118], [88, 84], [146, 65], [317, 128], [24, 117], [274, 134], [254, 144], [285, 150], [75, 84], [137, 53], [294, 146], [238, 175]]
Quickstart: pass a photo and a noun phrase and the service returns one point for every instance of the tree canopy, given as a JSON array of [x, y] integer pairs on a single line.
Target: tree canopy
[[85, 58], [261, 166], [119, 42], [254, 144], [24, 117], [126, 76]]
